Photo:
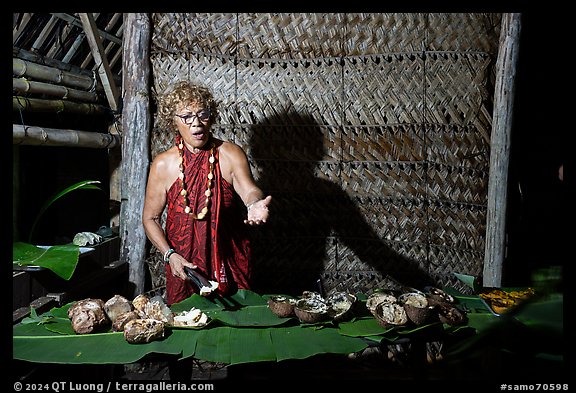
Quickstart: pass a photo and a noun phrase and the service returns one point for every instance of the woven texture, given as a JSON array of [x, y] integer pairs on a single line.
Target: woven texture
[[371, 131]]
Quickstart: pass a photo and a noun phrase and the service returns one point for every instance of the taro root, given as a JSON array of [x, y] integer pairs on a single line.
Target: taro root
[[340, 305], [139, 303], [451, 315], [158, 310], [116, 306], [139, 331], [416, 306], [88, 316], [390, 314], [282, 306], [123, 319], [311, 310], [377, 298]]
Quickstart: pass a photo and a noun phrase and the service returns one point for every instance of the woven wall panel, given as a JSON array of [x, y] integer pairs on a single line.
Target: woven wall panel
[[376, 33], [457, 90], [463, 32], [384, 89], [384, 179], [268, 88], [194, 32], [359, 281], [387, 219], [457, 184], [371, 131], [290, 36], [392, 143], [292, 137], [404, 263], [445, 261], [457, 226], [461, 146]]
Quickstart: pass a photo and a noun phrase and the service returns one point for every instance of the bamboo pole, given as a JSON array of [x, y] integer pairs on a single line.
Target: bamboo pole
[[28, 135], [500, 150], [22, 68], [24, 86], [40, 105], [136, 124]]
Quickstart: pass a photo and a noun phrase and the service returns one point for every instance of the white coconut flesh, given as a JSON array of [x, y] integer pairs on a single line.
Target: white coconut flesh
[[415, 300], [194, 317], [312, 305], [393, 313]]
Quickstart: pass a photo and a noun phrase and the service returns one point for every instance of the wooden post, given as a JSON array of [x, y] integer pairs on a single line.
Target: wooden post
[[136, 123], [495, 248]]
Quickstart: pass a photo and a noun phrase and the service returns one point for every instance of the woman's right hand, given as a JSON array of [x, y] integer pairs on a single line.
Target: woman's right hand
[[177, 263]]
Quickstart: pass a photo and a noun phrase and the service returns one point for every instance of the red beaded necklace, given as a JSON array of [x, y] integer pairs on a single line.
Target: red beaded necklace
[[184, 193]]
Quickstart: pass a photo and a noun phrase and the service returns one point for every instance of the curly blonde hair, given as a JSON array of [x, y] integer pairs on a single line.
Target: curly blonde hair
[[181, 94]]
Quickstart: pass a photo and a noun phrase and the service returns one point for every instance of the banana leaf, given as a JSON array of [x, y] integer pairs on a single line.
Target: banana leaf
[[83, 185], [244, 308], [61, 259], [36, 343]]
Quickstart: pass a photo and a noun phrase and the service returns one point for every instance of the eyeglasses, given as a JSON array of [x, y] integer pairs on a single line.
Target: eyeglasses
[[203, 115]]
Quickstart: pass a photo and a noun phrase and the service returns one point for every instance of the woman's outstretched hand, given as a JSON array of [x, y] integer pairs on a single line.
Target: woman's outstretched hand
[[258, 212]]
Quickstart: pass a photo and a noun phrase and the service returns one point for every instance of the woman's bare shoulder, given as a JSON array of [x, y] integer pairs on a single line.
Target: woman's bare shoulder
[[166, 160], [232, 150]]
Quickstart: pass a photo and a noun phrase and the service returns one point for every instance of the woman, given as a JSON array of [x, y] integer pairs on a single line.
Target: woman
[[207, 187]]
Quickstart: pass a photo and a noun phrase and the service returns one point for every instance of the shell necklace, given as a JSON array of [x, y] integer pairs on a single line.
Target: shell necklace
[[184, 193]]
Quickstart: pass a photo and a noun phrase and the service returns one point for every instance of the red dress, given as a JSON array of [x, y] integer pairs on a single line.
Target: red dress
[[218, 244]]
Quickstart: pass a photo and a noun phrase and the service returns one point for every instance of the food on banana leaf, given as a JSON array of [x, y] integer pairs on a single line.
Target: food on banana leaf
[[501, 301], [140, 302], [116, 306], [192, 318], [417, 308], [340, 305], [311, 310], [157, 309], [281, 306], [88, 316], [438, 296], [122, 320], [390, 314], [138, 331]]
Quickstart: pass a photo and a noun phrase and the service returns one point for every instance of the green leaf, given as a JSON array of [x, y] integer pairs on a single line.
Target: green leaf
[[61, 259], [83, 185], [244, 308], [34, 318], [471, 281]]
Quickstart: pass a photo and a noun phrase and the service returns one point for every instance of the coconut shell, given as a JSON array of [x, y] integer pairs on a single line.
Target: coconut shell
[[451, 315], [281, 306], [390, 314], [437, 296], [377, 298], [311, 310], [417, 309]]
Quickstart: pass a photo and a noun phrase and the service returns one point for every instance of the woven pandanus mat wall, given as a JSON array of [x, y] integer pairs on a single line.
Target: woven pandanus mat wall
[[371, 131]]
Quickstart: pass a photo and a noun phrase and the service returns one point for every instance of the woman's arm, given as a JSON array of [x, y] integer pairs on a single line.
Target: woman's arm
[[236, 169]]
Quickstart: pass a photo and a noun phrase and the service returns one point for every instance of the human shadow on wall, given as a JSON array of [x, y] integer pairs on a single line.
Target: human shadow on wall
[[314, 224]]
